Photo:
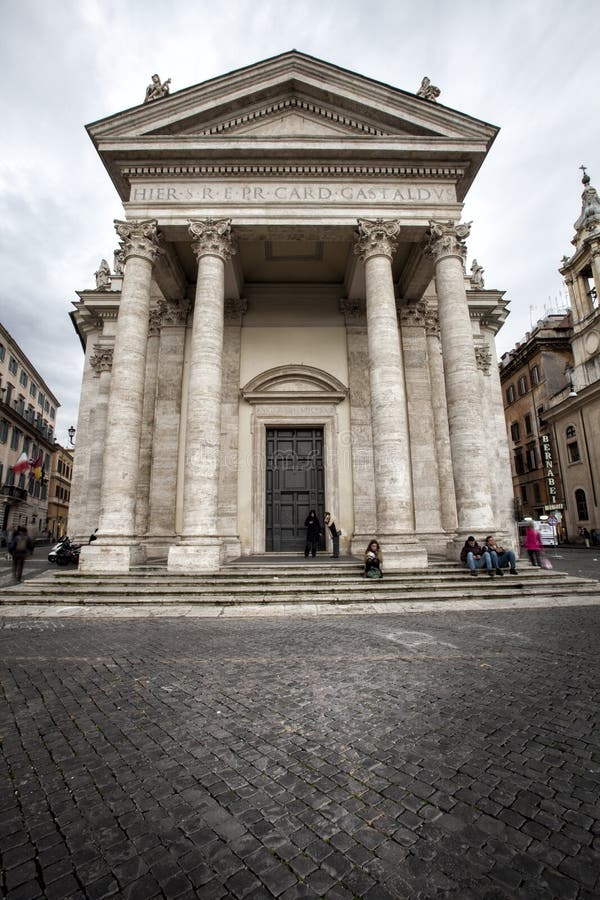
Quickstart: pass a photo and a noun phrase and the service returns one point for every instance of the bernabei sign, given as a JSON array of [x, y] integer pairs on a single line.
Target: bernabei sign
[[549, 468]]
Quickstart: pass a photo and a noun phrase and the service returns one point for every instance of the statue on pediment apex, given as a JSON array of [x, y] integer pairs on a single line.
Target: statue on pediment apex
[[156, 90], [428, 91], [103, 276], [477, 275]]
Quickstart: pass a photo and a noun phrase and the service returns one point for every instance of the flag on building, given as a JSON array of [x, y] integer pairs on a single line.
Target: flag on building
[[36, 465], [21, 465]]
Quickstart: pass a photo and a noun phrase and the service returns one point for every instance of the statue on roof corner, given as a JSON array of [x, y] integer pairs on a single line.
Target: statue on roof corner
[[477, 275], [103, 276], [428, 91], [156, 90]]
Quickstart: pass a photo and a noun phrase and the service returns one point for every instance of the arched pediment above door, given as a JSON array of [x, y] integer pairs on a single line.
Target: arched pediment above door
[[294, 383]]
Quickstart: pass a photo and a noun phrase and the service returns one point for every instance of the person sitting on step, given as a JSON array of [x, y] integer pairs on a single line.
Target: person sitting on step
[[500, 557], [475, 557], [373, 560]]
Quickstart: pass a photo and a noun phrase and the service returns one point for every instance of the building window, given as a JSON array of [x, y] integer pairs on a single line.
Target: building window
[[41, 398], [524, 493], [510, 393], [527, 424], [571, 431], [581, 503], [22, 480], [9, 389], [33, 388], [519, 467], [573, 452], [23, 378], [1, 472], [514, 431], [26, 445], [12, 365], [522, 385], [531, 458], [535, 375], [52, 412], [14, 441], [537, 494], [3, 431], [2, 352]]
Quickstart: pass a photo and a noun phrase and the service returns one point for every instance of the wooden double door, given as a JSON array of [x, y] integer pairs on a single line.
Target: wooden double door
[[295, 484]]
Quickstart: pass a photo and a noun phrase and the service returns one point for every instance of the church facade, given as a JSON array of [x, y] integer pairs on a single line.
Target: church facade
[[289, 325]]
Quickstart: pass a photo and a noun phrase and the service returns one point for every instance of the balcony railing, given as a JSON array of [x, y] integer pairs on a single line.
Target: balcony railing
[[11, 491]]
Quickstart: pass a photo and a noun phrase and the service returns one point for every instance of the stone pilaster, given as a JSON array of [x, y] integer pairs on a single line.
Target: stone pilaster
[[440, 422], [200, 545], [116, 547], [426, 489], [167, 421], [375, 245], [147, 445], [78, 523], [101, 363], [467, 436], [359, 442], [594, 245], [228, 470]]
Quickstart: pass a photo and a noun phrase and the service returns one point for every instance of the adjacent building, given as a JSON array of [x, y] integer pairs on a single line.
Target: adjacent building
[[574, 412], [59, 490], [531, 375], [27, 423], [289, 324]]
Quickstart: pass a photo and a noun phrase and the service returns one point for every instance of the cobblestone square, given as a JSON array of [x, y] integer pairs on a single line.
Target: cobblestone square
[[429, 755]]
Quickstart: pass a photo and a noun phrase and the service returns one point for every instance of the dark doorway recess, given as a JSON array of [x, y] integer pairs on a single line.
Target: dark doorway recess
[[295, 484]]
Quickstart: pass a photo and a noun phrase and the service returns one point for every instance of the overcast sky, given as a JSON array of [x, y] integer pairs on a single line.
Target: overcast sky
[[530, 67]]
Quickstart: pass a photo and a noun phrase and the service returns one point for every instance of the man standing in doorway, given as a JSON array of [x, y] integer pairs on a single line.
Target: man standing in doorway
[[313, 533], [335, 534]]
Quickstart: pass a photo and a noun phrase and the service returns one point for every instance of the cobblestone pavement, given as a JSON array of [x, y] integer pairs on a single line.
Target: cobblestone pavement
[[434, 755]]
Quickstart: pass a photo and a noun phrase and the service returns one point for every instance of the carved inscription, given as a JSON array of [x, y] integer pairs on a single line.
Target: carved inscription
[[290, 192]]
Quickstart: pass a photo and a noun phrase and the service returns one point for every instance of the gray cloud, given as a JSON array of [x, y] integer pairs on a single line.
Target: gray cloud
[[520, 65]]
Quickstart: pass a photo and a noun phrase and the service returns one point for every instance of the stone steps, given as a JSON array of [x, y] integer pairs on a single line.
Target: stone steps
[[289, 585]]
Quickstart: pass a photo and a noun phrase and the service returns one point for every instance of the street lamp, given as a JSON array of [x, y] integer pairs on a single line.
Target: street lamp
[[71, 432]]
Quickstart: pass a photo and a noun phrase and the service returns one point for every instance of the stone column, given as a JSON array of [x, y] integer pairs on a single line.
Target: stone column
[[594, 245], [101, 363], [142, 507], [200, 546], [440, 423], [116, 549], [166, 425], [465, 410], [389, 420]]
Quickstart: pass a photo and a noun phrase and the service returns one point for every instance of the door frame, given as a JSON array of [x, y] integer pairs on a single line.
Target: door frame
[[293, 396]]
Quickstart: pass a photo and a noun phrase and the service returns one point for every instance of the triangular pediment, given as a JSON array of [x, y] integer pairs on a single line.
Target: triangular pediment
[[291, 91], [295, 98]]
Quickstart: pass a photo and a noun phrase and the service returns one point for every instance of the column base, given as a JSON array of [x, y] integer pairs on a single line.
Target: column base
[[400, 551], [199, 556], [109, 558]]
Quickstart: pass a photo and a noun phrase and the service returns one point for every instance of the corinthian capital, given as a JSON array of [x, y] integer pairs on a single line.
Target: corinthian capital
[[376, 237], [139, 237], [102, 359], [212, 237], [448, 239]]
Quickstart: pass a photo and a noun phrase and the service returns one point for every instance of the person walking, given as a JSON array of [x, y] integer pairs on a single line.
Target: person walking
[[335, 534], [313, 533], [533, 544], [19, 547]]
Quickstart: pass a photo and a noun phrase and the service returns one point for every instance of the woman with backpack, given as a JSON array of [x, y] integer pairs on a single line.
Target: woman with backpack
[[373, 560]]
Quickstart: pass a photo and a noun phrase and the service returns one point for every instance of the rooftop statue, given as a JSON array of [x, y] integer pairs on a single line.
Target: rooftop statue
[[428, 91], [156, 90], [477, 275], [103, 276]]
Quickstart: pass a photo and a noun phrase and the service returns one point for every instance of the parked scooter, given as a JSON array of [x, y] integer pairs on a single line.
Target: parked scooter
[[65, 551]]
